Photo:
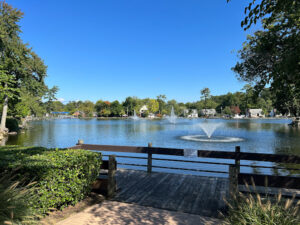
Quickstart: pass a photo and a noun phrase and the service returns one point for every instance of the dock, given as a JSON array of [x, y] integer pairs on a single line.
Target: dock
[[177, 192]]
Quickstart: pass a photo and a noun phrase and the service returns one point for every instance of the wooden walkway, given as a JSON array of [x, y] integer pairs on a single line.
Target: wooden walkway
[[183, 193]]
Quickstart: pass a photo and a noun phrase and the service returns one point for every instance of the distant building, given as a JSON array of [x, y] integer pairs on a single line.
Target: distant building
[[208, 112], [255, 113], [193, 114], [185, 112], [143, 109], [78, 114]]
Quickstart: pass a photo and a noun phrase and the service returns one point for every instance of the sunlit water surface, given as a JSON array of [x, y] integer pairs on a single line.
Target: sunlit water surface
[[253, 135]]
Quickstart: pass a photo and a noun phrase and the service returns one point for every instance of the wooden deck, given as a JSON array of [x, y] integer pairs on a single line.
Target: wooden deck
[[184, 193]]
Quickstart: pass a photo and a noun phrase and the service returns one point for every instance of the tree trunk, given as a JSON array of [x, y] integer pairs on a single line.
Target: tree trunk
[[4, 114]]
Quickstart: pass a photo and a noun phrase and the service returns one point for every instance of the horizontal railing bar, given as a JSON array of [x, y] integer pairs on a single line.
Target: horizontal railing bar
[[132, 164], [201, 153], [191, 161], [214, 163], [270, 167], [176, 168], [131, 157]]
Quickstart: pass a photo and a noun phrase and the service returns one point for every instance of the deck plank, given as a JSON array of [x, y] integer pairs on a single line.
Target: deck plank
[[178, 192]]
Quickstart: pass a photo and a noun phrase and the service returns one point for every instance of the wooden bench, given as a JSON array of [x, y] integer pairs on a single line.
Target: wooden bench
[[106, 181]]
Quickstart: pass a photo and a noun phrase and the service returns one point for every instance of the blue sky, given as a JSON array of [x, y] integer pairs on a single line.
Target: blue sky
[[112, 49]]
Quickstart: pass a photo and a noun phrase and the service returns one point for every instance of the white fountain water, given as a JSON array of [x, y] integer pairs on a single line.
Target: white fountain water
[[135, 117], [172, 118], [209, 128]]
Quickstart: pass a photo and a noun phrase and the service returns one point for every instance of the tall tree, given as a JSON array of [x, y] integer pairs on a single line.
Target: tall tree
[[20, 66], [271, 56], [205, 94], [50, 95]]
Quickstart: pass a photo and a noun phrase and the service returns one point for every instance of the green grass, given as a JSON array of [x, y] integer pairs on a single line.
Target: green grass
[[14, 198], [248, 209]]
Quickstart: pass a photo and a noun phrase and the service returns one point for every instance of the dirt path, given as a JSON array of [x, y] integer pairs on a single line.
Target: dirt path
[[111, 212]]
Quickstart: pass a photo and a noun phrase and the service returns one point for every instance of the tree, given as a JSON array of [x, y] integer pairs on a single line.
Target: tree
[[20, 66], [50, 95], [130, 104], [87, 107], [205, 94], [116, 109], [227, 110], [103, 108], [162, 102], [271, 56], [153, 106]]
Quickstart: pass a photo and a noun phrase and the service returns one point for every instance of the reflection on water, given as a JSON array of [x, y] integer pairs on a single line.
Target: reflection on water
[[259, 135]]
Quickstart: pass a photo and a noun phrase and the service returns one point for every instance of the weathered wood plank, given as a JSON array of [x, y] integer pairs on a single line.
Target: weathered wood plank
[[186, 193]]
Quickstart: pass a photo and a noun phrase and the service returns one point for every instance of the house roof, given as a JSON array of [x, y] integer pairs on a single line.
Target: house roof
[[144, 107]]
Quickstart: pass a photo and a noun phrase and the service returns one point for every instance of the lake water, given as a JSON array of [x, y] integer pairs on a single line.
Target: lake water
[[253, 135]]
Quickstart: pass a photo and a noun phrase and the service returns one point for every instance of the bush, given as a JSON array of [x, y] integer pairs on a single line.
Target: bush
[[14, 198], [253, 209], [63, 176], [12, 124]]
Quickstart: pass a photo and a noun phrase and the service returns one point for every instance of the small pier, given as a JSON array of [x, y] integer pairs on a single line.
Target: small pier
[[176, 192], [194, 194]]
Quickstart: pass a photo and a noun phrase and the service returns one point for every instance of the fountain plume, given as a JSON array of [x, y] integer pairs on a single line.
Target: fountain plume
[[209, 128], [172, 118]]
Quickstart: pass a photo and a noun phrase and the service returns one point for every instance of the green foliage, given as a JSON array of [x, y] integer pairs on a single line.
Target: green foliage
[[227, 110], [12, 124], [21, 69], [271, 56], [254, 209], [63, 176], [153, 106], [14, 198], [87, 108]]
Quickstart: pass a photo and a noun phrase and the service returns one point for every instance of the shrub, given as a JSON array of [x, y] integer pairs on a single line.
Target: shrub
[[63, 176], [12, 124], [253, 209], [14, 198]]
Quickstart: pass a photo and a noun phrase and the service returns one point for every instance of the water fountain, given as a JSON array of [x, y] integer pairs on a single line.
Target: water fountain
[[209, 128], [135, 117], [172, 118]]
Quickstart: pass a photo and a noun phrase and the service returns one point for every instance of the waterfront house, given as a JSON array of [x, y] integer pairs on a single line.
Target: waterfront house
[[208, 112], [79, 114], [143, 109], [255, 113], [193, 114]]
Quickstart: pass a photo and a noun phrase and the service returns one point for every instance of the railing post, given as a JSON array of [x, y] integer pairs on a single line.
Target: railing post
[[111, 185], [149, 164], [233, 180], [237, 158]]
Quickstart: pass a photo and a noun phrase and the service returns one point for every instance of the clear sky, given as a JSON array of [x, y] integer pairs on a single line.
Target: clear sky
[[111, 49]]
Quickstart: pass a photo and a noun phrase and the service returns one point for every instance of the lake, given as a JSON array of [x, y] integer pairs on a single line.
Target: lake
[[253, 135]]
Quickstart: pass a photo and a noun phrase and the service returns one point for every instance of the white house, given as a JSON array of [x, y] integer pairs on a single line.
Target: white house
[[143, 109], [208, 112], [255, 113], [194, 113]]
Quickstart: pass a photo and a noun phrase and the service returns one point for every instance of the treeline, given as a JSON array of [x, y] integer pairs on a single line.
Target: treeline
[[229, 104]]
